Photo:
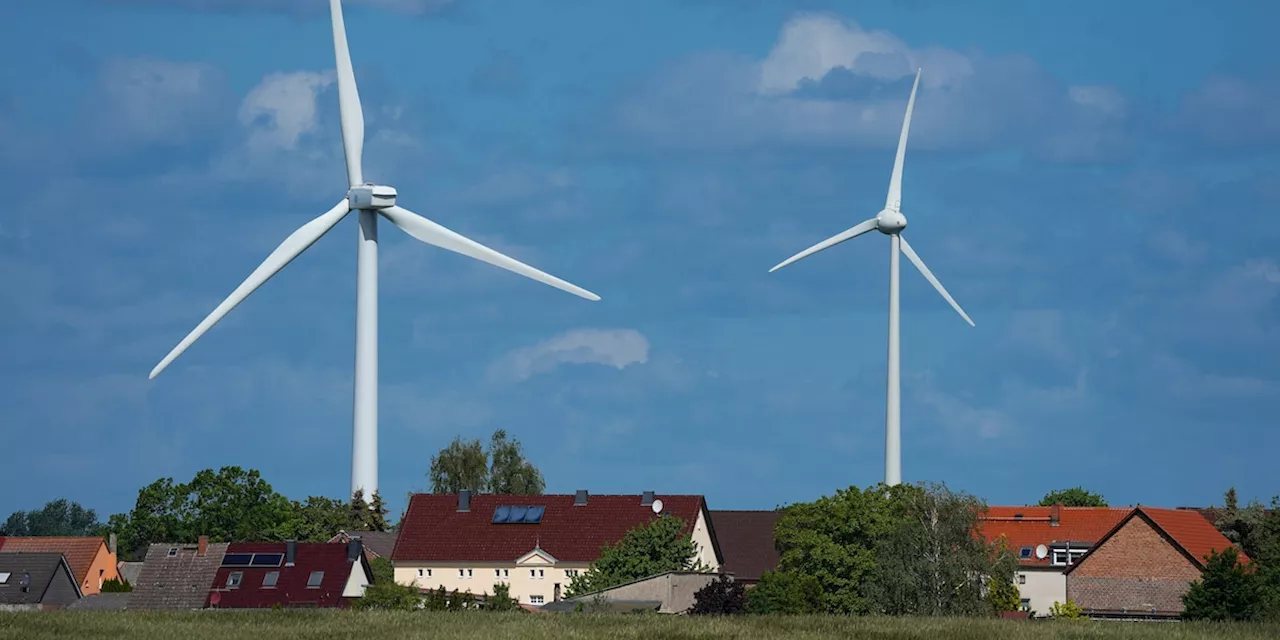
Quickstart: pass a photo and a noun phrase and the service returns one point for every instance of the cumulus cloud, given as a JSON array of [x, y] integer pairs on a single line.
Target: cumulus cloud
[[828, 81], [618, 348], [148, 100], [281, 108]]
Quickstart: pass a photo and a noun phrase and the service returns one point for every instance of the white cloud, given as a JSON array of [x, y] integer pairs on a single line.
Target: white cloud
[[281, 108], [145, 100], [829, 82], [618, 348]]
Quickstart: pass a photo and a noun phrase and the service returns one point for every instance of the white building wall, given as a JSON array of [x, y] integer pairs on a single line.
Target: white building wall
[[1043, 587]]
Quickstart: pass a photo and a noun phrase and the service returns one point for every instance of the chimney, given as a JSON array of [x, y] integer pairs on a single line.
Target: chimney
[[111, 543], [580, 498], [1055, 514], [290, 552], [464, 500], [202, 545], [646, 499], [354, 549]]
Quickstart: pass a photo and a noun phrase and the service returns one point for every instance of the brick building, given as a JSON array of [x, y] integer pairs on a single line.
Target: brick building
[[1144, 564]]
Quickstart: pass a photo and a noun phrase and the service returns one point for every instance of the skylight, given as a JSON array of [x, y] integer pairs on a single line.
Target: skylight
[[1024, 552], [270, 579], [506, 514], [4, 577], [314, 580]]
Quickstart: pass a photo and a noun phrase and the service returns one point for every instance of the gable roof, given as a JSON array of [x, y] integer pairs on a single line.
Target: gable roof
[[79, 551], [378, 543], [1188, 531], [180, 582], [433, 530], [1032, 526], [42, 567], [747, 542], [291, 581]]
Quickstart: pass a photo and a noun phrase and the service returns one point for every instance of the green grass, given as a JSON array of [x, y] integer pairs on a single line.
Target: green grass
[[345, 625]]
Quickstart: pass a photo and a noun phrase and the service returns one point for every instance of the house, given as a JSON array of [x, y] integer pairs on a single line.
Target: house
[[377, 544], [1047, 541], [1143, 565], [747, 543], [672, 592], [36, 581], [92, 562], [177, 577], [129, 571], [256, 575], [535, 544]]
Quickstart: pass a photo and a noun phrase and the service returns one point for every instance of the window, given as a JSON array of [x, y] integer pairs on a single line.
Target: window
[[234, 578], [1024, 552], [4, 577], [571, 573], [1066, 555], [1025, 605], [1022, 578], [314, 580], [173, 552], [462, 572], [269, 581], [502, 573], [536, 600]]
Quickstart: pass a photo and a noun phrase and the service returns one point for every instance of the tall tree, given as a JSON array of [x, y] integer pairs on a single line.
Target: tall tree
[[461, 465], [318, 519], [509, 471], [232, 504], [378, 513], [935, 562], [656, 547], [1073, 497], [502, 468], [59, 517], [834, 538], [1226, 590], [1242, 526]]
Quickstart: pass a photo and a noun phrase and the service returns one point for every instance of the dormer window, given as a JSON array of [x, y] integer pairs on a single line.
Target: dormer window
[[1062, 555]]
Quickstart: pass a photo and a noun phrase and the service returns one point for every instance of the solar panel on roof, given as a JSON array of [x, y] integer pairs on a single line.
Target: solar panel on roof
[[267, 559], [237, 559], [534, 514], [501, 514], [517, 514]]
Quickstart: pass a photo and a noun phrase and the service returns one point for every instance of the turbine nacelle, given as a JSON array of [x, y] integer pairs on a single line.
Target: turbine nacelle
[[371, 196], [890, 222]]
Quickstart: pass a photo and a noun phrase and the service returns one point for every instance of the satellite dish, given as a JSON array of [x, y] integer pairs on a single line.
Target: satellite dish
[[657, 506], [1042, 551]]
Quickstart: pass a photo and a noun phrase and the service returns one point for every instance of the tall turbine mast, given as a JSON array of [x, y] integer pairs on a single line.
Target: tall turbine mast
[[371, 201], [890, 222]]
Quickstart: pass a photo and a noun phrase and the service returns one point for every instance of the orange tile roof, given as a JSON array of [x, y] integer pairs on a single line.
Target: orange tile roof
[[1189, 530], [80, 552], [1031, 526]]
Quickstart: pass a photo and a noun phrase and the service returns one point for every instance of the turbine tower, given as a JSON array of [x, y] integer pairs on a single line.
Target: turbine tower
[[890, 222], [371, 201]]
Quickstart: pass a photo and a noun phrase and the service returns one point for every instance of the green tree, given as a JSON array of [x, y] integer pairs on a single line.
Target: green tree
[[834, 540], [1073, 497], [1242, 526], [317, 519], [935, 562], [501, 599], [1226, 590], [378, 513], [383, 570], [780, 592], [1003, 595], [721, 596], [231, 504], [389, 596], [461, 465], [59, 517], [649, 549], [509, 471], [114, 585]]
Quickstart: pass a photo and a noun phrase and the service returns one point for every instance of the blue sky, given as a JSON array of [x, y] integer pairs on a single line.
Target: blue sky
[[1095, 184]]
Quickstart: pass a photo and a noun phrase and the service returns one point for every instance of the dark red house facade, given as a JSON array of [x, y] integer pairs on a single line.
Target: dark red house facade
[[256, 575]]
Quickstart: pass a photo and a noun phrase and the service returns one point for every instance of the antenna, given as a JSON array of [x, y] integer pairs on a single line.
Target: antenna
[[657, 505], [1042, 551]]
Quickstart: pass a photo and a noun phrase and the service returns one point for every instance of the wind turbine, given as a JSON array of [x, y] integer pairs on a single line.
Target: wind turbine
[[371, 201], [890, 222]]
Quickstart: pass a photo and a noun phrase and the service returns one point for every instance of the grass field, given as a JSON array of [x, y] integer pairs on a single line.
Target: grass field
[[291, 625]]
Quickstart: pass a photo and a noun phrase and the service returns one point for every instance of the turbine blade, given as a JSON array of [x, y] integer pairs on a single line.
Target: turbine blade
[[348, 99], [437, 235], [894, 201], [295, 244], [847, 234], [928, 275]]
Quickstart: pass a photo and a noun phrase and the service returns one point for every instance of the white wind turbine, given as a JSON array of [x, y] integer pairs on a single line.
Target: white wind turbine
[[371, 200], [890, 222]]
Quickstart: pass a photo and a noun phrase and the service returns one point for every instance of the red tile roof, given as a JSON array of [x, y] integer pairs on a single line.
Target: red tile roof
[[1084, 525], [747, 542], [291, 587], [79, 551], [1188, 530], [433, 530]]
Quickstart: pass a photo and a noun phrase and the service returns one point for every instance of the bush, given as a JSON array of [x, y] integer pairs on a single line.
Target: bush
[[501, 599], [1068, 611], [1227, 590], [721, 596], [389, 596], [785, 593], [116, 586]]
